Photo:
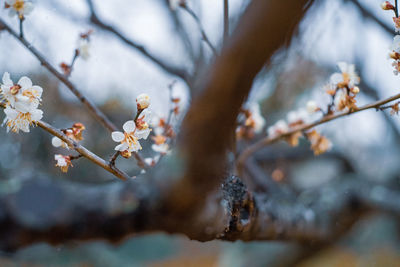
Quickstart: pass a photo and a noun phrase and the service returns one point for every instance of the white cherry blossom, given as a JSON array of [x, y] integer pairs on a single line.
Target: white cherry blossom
[[297, 117], [16, 120], [142, 101], [396, 44], [280, 127], [143, 124], [162, 148], [20, 8], [347, 76], [63, 162], [312, 107], [23, 96], [258, 119], [84, 48], [128, 140]]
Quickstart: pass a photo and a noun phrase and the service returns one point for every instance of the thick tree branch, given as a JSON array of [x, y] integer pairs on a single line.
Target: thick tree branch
[[208, 129], [57, 212], [180, 72]]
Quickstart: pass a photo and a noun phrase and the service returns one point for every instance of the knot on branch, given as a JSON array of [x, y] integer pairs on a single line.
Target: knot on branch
[[240, 205]]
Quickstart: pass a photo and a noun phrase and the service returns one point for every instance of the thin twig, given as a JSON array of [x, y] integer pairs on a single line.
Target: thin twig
[[226, 21], [113, 158], [71, 66], [158, 61], [96, 112], [270, 140], [203, 33], [84, 152], [396, 9]]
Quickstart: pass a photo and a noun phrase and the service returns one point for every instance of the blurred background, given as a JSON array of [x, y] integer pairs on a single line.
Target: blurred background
[[365, 144]]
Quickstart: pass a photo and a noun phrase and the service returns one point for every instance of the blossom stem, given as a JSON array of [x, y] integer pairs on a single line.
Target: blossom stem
[[270, 140], [71, 66], [75, 157], [21, 27], [171, 109], [396, 10], [113, 159], [203, 33]]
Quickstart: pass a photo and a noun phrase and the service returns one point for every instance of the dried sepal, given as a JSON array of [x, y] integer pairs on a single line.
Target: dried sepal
[[319, 143]]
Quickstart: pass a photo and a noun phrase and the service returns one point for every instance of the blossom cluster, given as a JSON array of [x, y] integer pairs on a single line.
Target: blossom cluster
[[395, 47], [250, 121], [21, 102], [342, 89], [74, 133], [134, 130], [163, 132]]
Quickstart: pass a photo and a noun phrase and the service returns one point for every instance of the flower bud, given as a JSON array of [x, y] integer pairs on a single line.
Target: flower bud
[[311, 107], [387, 6], [126, 154], [394, 55], [355, 90], [143, 101]]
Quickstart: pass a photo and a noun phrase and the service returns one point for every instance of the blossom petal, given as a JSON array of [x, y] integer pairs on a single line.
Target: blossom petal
[[36, 115], [117, 136], [11, 113], [142, 134], [7, 80], [129, 126], [121, 147], [28, 7], [25, 82], [343, 66], [56, 142], [12, 12], [37, 91], [24, 126], [146, 115], [135, 147], [336, 78]]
